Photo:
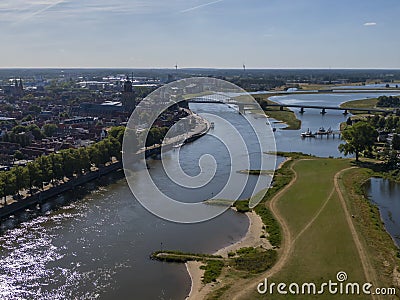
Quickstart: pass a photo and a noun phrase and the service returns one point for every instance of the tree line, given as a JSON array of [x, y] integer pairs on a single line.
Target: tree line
[[391, 101], [65, 164], [22, 135], [362, 136]]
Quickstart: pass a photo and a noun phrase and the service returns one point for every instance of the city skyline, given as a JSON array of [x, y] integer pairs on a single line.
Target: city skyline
[[199, 33]]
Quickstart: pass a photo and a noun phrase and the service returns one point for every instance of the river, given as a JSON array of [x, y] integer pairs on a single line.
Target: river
[[99, 247], [386, 195]]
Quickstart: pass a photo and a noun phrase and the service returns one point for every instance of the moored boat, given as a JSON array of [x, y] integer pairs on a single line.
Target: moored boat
[[307, 134]]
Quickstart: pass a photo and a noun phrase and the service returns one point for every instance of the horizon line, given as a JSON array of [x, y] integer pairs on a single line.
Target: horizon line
[[199, 68]]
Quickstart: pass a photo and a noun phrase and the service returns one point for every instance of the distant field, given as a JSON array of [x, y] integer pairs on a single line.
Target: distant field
[[286, 115], [364, 103]]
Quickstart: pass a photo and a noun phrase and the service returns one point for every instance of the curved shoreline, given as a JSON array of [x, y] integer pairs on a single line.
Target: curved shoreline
[[252, 238]]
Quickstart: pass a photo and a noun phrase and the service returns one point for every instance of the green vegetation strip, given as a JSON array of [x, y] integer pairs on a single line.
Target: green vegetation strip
[[286, 115], [255, 260], [363, 103], [383, 253], [256, 172], [182, 257]]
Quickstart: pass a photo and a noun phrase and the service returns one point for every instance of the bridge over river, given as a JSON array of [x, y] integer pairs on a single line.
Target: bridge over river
[[221, 99], [324, 108]]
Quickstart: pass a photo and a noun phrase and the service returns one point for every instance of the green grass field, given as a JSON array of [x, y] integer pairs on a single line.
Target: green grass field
[[326, 246], [364, 103], [320, 217], [286, 115], [378, 243]]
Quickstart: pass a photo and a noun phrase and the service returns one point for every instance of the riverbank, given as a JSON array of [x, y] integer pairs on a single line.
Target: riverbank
[[334, 213], [379, 244], [256, 236], [286, 115], [251, 239], [51, 191]]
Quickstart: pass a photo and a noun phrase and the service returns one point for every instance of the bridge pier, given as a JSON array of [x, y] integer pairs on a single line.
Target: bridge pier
[[241, 108], [302, 110], [281, 108], [323, 111], [345, 112]]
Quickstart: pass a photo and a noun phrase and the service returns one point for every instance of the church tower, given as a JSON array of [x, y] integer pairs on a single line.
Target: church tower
[[128, 96], [20, 87]]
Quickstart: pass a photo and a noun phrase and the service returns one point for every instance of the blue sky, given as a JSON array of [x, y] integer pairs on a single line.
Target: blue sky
[[200, 33]]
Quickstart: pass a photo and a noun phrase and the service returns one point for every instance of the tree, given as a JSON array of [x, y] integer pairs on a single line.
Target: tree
[[82, 160], [396, 142], [28, 118], [35, 109], [18, 129], [56, 166], [67, 163], [3, 186], [36, 132], [50, 129], [34, 175], [9, 187], [18, 155], [359, 137], [21, 178], [95, 155], [117, 132], [45, 169]]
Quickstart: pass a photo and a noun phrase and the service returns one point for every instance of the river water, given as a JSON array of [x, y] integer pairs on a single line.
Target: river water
[[99, 247], [386, 195]]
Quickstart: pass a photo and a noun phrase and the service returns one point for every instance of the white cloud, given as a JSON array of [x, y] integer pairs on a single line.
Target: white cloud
[[370, 24]]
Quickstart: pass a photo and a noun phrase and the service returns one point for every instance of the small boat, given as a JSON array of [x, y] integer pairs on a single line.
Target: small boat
[[212, 125], [321, 130], [307, 134]]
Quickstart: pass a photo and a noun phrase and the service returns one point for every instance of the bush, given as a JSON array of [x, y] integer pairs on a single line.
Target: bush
[[242, 206], [256, 261], [271, 225], [213, 269]]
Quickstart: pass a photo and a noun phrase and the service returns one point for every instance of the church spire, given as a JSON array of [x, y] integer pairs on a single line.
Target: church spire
[[128, 85]]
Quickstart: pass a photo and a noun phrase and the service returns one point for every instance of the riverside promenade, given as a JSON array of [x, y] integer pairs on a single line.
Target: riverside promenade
[[35, 201]]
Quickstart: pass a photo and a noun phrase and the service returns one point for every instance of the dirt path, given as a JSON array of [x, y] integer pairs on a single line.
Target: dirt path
[[369, 271], [242, 289]]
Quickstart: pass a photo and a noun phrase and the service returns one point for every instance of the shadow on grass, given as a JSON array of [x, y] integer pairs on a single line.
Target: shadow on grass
[[374, 166]]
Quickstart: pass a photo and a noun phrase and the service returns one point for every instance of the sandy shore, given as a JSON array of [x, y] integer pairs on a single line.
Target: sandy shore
[[251, 239]]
